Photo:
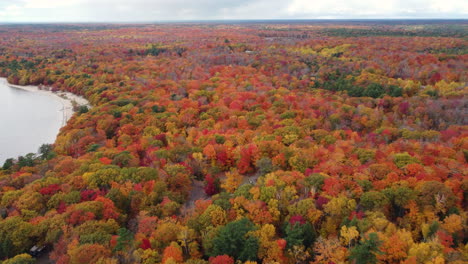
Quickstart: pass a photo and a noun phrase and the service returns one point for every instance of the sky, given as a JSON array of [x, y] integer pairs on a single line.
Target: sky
[[175, 10]]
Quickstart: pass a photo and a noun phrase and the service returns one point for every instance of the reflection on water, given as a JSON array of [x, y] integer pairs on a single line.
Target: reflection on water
[[27, 120]]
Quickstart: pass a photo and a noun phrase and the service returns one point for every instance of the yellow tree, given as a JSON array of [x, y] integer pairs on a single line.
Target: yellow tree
[[348, 235], [453, 223], [426, 252], [214, 215], [146, 256], [186, 236], [232, 181], [338, 208], [22, 258], [269, 250], [329, 251], [87, 253]]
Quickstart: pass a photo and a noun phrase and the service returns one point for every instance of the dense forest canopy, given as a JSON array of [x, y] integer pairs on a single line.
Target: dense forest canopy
[[243, 142]]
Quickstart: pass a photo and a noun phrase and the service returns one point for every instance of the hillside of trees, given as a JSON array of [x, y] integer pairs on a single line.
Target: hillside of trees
[[243, 143]]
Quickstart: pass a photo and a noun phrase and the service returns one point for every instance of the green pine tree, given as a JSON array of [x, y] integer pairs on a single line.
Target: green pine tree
[[233, 240], [299, 234], [366, 251]]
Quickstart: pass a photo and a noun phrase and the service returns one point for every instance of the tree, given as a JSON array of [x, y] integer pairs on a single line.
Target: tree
[[27, 161], [46, 152], [299, 254], [366, 251], [339, 207], [394, 249], [299, 234], [232, 181], [173, 253], [223, 259], [374, 90], [348, 234], [437, 195], [88, 253], [453, 223], [373, 200], [247, 158], [8, 164], [314, 121], [233, 240], [212, 185], [399, 197], [264, 165], [425, 252], [16, 236], [186, 237], [270, 249], [125, 239], [329, 251], [429, 230], [125, 159], [20, 259], [403, 159]]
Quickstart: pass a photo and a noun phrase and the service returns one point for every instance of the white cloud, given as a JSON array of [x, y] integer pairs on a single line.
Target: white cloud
[[32, 4], [379, 8], [12, 10], [156, 10], [448, 6]]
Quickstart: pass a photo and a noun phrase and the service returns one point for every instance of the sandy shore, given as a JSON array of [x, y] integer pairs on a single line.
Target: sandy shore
[[65, 98]]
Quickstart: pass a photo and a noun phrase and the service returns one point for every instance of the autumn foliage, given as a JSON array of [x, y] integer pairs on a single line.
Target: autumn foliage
[[261, 143]]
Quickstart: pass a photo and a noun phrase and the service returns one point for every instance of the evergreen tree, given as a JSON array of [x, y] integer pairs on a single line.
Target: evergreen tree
[[233, 240], [125, 239], [366, 251], [298, 234]]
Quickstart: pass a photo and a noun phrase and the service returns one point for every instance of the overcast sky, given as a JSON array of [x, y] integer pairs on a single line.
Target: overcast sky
[[162, 10]]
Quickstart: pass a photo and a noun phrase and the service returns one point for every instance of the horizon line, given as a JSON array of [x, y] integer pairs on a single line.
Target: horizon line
[[236, 20]]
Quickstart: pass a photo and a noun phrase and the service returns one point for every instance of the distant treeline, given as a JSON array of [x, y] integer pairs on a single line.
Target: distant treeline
[[459, 31]]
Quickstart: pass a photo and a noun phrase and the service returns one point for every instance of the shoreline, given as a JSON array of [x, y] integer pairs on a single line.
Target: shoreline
[[67, 99]]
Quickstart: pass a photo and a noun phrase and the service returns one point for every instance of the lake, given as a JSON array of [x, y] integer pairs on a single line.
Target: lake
[[27, 120]]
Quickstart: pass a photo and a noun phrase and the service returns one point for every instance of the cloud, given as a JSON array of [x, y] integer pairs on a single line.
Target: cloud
[[382, 9], [48, 4], [340, 7], [159, 10]]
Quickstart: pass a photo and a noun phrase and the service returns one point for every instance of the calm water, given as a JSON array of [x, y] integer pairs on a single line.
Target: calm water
[[27, 120]]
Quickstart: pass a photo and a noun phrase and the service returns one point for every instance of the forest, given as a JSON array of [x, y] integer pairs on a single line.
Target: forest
[[274, 143]]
